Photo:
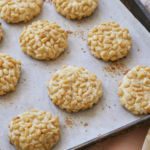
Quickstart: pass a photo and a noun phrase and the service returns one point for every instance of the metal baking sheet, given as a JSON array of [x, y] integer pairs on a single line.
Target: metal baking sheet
[[139, 10], [105, 117], [146, 4]]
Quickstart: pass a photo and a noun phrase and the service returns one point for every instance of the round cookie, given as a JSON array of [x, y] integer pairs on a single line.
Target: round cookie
[[134, 90], [75, 9], [43, 40], [1, 33], [34, 130], [109, 41], [74, 89], [10, 70], [15, 11]]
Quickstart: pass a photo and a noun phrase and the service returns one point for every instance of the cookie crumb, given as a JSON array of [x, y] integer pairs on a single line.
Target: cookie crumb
[[69, 122], [86, 124], [69, 32], [116, 68]]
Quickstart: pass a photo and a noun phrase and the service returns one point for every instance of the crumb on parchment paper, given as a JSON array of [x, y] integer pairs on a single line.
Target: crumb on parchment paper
[[85, 124], [69, 31], [78, 33], [69, 122], [116, 68]]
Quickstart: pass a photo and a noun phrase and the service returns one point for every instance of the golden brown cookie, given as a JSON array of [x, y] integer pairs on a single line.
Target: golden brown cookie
[[109, 41], [74, 89], [75, 9], [34, 130], [10, 70], [15, 11], [43, 40], [134, 90]]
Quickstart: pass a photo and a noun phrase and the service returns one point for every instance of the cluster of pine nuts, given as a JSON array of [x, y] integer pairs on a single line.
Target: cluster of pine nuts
[[34, 130], [43, 40], [10, 70], [74, 89], [15, 11], [109, 41], [75, 9], [134, 91]]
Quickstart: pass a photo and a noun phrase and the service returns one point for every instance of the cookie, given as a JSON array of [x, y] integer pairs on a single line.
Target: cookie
[[109, 41], [43, 40], [74, 88], [10, 70], [134, 90], [16, 11], [34, 130], [75, 9], [1, 33]]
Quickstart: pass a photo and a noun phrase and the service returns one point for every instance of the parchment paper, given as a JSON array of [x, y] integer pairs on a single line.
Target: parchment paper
[[31, 91]]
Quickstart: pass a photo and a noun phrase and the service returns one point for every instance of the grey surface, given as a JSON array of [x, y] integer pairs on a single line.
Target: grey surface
[[146, 3], [31, 92]]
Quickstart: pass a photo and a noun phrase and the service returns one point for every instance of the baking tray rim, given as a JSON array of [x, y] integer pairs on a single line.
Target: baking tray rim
[[112, 133], [143, 9]]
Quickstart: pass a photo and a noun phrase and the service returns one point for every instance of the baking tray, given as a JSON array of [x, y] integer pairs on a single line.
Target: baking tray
[[140, 11], [104, 118], [142, 122]]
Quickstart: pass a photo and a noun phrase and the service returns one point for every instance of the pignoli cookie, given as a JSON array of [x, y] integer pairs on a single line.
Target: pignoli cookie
[[10, 70], [134, 90], [34, 130], [15, 11], [75, 9], [74, 88], [109, 42], [43, 40]]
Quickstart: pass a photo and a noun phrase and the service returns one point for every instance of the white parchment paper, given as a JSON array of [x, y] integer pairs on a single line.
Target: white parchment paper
[[31, 91]]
